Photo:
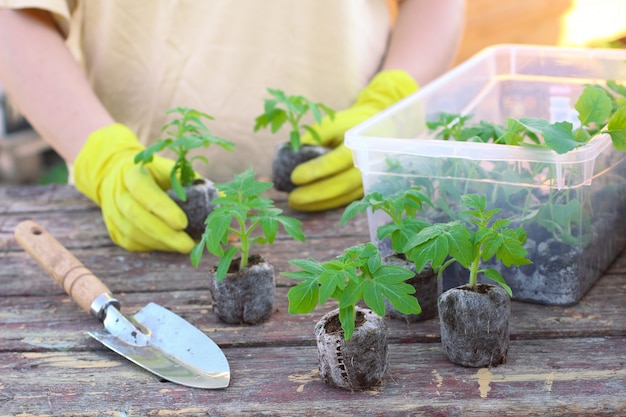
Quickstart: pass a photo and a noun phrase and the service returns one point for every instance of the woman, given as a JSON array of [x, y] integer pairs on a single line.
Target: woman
[[99, 102]]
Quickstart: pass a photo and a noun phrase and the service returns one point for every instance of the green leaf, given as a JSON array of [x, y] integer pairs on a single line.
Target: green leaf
[[280, 95], [392, 274], [432, 232], [263, 206], [224, 263], [494, 275], [147, 155], [352, 209], [269, 106], [460, 244], [255, 188], [616, 87], [387, 230], [483, 131], [185, 134], [313, 132], [352, 294], [198, 249], [434, 244], [315, 110], [451, 125], [244, 183], [293, 110], [300, 275], [433, 250], [475, 202], [199, 158], [491, 243], [295, 106], [331, 281], [260, 122], [557, 136], [308, 265], [186, 174], [330, 112], [292, 226], [277, 119], [512, 252], [582, 136], [270, 228], [559, 218], [593, 106], [303, 297], [372, 262], [616, 128], [514, 134], [500, 224], [217, 227], [402, 298], [373, 297]]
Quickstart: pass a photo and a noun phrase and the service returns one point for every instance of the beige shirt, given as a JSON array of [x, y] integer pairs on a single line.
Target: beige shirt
[[143, 57]]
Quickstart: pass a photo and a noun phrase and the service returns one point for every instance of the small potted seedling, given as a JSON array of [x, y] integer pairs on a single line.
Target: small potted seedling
[[192, 193], [474, 318], [281, 109], [401, 208], [243, 287], [352, 340]]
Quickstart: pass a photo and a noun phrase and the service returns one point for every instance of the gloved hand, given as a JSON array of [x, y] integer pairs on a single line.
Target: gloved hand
[[138, 214], [332, 180]]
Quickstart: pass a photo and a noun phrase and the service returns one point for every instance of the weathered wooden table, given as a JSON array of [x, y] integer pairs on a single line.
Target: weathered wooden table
[[562, 360]]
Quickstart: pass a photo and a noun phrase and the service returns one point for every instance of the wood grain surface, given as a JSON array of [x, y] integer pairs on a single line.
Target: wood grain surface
[[563, 361]]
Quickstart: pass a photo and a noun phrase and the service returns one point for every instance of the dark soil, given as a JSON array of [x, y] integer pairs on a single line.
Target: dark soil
[[286, 160], [475, 325], [246, 296], [198, 205], [252, 260], [358, 364], [561, 273], [333, 324], [427, 290]]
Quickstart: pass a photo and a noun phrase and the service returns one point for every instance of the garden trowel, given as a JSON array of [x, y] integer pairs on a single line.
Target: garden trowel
[[154, 338]]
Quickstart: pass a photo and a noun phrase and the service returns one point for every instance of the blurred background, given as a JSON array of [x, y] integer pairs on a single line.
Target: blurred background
[[581, 23], [26, 159]]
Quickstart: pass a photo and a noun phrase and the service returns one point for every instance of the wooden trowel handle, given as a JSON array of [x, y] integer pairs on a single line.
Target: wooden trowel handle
[[56, 260]]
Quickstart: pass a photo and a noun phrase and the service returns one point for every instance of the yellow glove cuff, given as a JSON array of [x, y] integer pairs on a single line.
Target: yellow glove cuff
[[101, 149], [386, 88]]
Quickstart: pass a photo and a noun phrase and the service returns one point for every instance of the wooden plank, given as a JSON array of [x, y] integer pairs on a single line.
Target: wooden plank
[[21, 159], [32, 323], [536, 380], [562, 361], [42, 199], [77, 223], [127, 271]]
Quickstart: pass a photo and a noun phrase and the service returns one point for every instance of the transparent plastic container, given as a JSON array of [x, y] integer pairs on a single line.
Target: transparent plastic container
[[571, 205]]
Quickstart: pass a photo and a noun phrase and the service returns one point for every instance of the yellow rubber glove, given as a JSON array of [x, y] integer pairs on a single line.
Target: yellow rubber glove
[[138, 214], [332, 180]]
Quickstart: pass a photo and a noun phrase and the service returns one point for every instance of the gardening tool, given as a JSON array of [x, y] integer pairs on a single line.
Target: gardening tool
[[154, 338]]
